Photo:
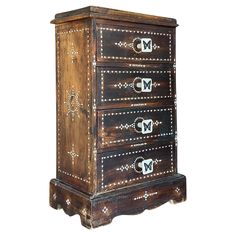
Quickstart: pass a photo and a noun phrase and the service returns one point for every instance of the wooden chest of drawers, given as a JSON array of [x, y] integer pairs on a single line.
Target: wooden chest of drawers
[[116, 114]]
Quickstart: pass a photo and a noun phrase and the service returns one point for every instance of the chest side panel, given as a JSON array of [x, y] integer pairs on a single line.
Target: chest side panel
[[73, 104]]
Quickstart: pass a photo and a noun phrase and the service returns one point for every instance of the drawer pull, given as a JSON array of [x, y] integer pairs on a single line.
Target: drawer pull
[[140, 125], [144, 166], [139, 45], [142, 85], [139, 85], [143, 126], [142, 45], [136, 165]]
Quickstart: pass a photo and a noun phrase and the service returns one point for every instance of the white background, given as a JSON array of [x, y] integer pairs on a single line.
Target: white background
[[206, 120]]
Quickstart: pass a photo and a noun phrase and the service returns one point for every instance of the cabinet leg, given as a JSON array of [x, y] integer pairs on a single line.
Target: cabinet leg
[[179, 194]]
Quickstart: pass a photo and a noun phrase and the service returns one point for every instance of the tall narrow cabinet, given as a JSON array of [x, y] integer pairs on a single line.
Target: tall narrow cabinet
[[116, 114]]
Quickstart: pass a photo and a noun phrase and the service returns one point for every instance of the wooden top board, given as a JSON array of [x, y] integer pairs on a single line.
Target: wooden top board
[[112, 14]]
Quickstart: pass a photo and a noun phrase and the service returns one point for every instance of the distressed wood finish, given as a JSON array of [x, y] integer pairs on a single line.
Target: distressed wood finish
[[119, 85], [74, 104], [120, 169], [112, 14], [116, 42], [101, 209], [122, 127], [116, 114]]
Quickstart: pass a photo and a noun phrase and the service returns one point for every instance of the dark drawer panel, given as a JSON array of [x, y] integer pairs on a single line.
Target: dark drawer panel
[[127, 167], [135, 44], [134, 85], [126, 126]]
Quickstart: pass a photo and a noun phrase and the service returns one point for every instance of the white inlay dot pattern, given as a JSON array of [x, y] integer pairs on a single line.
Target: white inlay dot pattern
[[135, 97], [140, 32], [170, 110], [125, 154], [145, 196], [59, 34]]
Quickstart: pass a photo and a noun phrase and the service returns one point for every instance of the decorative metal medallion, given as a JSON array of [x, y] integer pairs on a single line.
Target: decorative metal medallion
[[73, 103], [73, 53], [73, 154]]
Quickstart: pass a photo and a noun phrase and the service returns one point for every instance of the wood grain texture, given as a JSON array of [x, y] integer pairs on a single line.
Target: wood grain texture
[[113, 75], [100, 209], [118, 169], [74, 104], [112, 14], [121, 127], [120, 85], [118, 42]]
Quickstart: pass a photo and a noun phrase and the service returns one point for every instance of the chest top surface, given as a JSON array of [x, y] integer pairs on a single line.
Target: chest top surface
[[112, 14]]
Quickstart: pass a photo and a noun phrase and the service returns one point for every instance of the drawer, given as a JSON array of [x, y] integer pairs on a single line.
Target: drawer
[[127, 167], [119, 85], [138, 43], [127, 126]]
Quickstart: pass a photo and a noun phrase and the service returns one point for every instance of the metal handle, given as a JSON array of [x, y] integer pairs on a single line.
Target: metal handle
[[143, 126], [142, 85], [142, 45], [144, 166]]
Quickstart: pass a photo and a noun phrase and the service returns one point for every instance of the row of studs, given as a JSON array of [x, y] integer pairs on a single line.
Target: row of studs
[[72, 31], [138, 138], [134, 31], [58, 106], [58, 102], [137, 178], [133, 98], [73, 176], [136, 71], [136, 58], [137, 65], [126, 154], [146, 195], [88, 99], [137, 111], [136, 152], [132, 166]]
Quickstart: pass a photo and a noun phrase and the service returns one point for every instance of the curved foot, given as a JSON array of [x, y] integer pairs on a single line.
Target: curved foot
[[179, 195], [88, 223], [99, 210]]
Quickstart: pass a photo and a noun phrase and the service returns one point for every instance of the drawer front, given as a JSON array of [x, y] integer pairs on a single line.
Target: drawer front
[[135, 86], [127, 167], [127, 126], [135, 44]]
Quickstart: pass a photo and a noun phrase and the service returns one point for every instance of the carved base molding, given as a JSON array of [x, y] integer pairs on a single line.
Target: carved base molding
[[100, 209]]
